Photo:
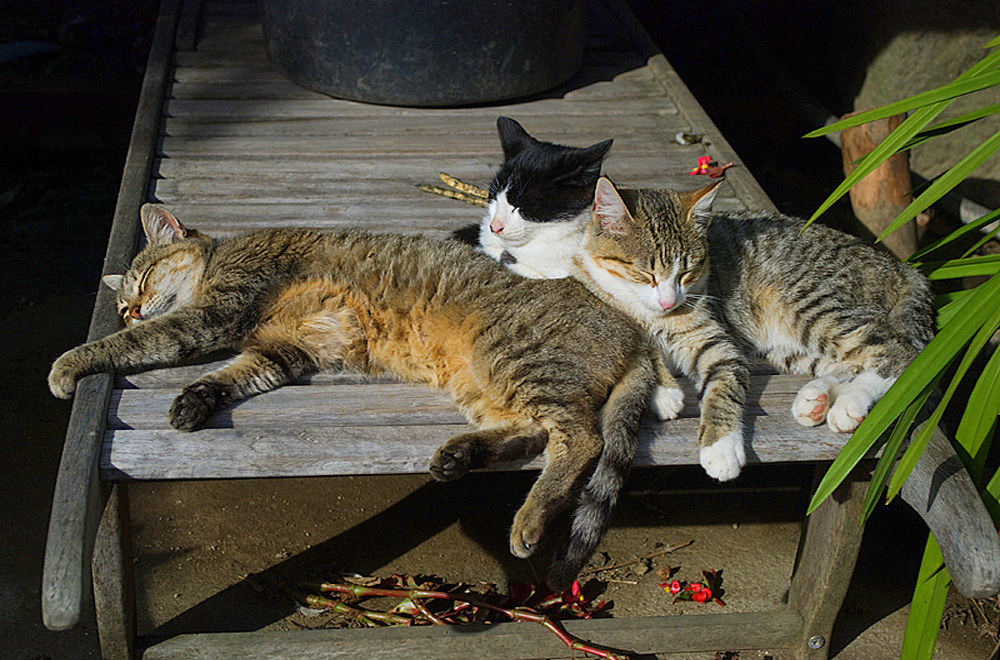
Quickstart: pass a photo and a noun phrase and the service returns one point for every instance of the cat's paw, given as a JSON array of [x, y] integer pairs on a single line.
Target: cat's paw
[[812, 403], [526, 532], [667, 402], [724, 458], [451, 461], [848, 411], [62, 377], [195, 406]]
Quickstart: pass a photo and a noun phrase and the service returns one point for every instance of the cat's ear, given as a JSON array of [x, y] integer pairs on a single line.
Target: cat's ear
[[589, 163], [513, 138], [160, 225], [609, 209], [701, 203], [113, 282]]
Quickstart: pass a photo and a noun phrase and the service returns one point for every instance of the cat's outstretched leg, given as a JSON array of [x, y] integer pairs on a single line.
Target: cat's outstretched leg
[[572, 451], [484, 447], [854, 399]]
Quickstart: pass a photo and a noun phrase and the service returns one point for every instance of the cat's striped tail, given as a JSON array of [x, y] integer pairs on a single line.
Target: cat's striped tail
[[620, 417]]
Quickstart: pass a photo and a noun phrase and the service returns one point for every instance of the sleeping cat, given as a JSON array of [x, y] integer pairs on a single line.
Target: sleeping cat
[[539, 202], [534, 364], [714, 289]]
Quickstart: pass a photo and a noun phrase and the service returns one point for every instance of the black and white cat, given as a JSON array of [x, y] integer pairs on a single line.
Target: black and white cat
[[539, 202]]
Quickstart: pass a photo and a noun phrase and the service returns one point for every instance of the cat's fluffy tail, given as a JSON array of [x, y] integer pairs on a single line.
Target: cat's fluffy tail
[[620, 418]]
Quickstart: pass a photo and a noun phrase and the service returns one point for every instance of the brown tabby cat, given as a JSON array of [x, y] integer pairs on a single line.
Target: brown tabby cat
[[534, 364], [714, 289]]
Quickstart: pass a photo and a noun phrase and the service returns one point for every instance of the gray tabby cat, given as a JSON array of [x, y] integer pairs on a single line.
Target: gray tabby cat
[[715, 289], [534, 364]]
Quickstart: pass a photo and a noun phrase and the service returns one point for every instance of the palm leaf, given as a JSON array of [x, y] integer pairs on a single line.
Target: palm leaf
[[945, 127], [967, 267], [889, 146], [958, 173], [973, 226], [988, 320], [928, 603], [891, 452]]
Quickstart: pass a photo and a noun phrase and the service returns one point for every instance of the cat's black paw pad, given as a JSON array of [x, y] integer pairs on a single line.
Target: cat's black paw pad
[[450, 462], [195, 406]]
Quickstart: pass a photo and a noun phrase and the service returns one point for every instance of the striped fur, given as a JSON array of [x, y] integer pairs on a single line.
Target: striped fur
[[715, 289], [536, 365]]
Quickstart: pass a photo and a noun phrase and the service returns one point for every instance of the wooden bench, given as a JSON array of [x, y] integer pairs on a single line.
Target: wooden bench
[[228, 144]]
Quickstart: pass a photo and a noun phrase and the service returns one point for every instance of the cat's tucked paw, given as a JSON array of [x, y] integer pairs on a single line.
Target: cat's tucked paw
[[195, 406], [724, 458], [526, 532], [451, 461], [848, 411], [667, 402], [62, 379], [812, 403]]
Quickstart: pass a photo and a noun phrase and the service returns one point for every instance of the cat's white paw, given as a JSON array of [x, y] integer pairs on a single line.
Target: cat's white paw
[[812, 403], [848, 411], [667, 402], [724, 458]]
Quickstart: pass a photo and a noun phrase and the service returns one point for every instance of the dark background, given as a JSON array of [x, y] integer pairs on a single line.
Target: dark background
[[65, 122]]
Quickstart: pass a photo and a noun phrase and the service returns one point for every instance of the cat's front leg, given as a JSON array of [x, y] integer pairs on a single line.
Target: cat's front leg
[[667, 399], [160, 341]]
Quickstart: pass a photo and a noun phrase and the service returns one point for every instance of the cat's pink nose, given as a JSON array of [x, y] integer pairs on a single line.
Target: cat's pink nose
[[666, 304], [497, 225], [136, 313]]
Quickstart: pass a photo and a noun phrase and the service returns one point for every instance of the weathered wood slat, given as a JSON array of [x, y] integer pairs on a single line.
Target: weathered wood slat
[[669, 168], [390, 145], [248, 110], [503, 641], [581, 131], [364, 428]]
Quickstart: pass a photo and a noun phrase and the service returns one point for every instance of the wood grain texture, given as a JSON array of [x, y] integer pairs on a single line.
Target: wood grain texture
[[504, 641]]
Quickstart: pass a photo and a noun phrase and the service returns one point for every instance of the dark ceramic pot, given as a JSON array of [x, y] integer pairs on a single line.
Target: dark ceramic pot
[[425, 52]]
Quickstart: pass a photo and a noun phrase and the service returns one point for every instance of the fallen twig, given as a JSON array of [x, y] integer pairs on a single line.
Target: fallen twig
[[416, 596], [611, 567]]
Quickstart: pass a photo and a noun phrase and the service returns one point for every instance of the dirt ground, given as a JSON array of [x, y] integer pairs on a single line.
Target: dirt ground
[[207, 553]]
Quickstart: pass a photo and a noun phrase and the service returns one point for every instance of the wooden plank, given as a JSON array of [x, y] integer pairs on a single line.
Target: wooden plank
[[431, 146], [827, 553], [503, 641], [667, 169], [384, 404], [78, 501], [114, 584], [390, 428], [250, 110], [581, 131]]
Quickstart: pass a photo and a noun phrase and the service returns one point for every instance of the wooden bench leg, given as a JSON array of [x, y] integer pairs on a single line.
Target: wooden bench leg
[[825, 563], [114, 588]]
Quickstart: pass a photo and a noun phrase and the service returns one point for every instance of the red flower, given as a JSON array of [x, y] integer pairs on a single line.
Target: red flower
[[700, 595], [695, 588], [702, 167]]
